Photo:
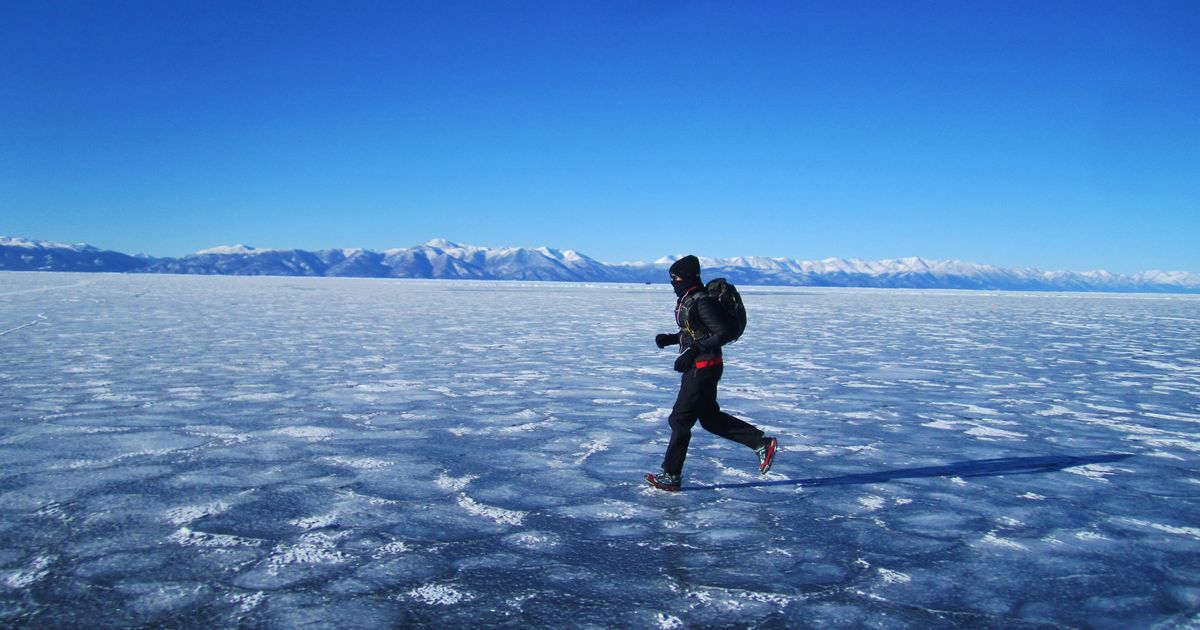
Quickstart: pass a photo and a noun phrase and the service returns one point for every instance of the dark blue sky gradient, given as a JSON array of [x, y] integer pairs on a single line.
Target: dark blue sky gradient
[[1059, 135]]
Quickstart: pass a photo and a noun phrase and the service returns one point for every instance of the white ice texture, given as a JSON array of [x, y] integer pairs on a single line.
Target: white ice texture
[[183, 451]]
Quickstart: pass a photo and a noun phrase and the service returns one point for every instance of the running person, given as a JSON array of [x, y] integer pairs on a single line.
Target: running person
[[704, 326]]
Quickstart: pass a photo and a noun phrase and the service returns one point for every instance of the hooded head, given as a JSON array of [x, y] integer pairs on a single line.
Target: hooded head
[[685, 274]]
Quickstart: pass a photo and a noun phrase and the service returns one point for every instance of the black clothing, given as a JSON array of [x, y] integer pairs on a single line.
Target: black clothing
[[698, 400], [686, 359], [704, 326], [703, 322], [685, 275], [666, 339], [686, 267], [683, 286]]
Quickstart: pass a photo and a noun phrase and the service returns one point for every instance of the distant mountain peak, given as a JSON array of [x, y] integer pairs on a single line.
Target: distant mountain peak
[[441, 243], [226, 250], [16, 241]]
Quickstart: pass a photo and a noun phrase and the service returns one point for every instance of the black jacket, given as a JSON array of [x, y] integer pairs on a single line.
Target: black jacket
[[703, 323]]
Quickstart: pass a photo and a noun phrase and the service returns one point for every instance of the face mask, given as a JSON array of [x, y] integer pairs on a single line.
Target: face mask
[[681, 286]]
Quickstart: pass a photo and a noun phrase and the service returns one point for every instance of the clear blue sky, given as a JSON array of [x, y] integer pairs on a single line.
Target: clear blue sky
[[1060, 135]]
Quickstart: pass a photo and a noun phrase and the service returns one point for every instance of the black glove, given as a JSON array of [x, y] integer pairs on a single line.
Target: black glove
[[664, 340], [687, 360]]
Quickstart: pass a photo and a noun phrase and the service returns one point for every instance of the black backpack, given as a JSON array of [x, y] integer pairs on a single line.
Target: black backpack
[[731, 301]]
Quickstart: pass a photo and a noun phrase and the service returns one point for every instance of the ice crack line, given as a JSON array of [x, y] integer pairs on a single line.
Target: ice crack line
[[40, 318]]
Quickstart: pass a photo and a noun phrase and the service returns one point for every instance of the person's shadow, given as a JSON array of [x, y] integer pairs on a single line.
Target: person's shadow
[[976, 468]]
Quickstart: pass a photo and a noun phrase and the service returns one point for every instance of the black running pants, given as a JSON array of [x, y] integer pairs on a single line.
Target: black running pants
[[697, 400]]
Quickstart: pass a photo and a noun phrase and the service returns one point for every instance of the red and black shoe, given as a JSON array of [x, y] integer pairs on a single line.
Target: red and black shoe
[[664, 481], [766, 454]]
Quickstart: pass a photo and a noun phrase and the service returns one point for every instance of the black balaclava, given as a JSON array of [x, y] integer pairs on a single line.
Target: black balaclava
[[688, 270]]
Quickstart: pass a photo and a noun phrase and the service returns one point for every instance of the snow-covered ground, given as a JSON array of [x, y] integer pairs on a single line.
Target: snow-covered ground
[[283, 452]]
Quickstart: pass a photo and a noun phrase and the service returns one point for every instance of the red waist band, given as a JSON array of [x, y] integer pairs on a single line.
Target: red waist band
[[713, 361]]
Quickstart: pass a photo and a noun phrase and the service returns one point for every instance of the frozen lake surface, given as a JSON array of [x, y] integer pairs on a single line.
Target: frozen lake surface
[[283, 452]]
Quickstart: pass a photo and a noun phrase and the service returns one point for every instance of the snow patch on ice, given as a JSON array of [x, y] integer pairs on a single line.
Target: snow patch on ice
[[893, 577], [872, 502], [247, 602], [189, 513], [453, 484], [535, 541], [191, 538], [1187, 445], [732, 599], [108, 397], [100, 430], [500, 515], [597, 445], [371, 500], [975, 429], [390, 549], [657, 415], [358, 463], [55, 511], [36, 571], [1117, 410], [1099, 472], [1193, 532], [732, 471], [314, 548], [973, 411], [315, 522], [439, 595], [226, 434], [259, 397], [992, 432], [190, 392], [992, 539], [525, 427], [608, 510], [380, 387], [308, 433]]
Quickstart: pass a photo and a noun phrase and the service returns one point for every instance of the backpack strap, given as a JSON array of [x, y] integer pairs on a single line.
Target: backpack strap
[[685, 313]]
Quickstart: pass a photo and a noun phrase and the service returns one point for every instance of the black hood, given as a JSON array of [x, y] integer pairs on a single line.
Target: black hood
[[686, 267]]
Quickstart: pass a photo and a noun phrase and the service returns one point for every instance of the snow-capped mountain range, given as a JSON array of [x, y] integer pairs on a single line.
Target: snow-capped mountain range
[[440, 258]]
